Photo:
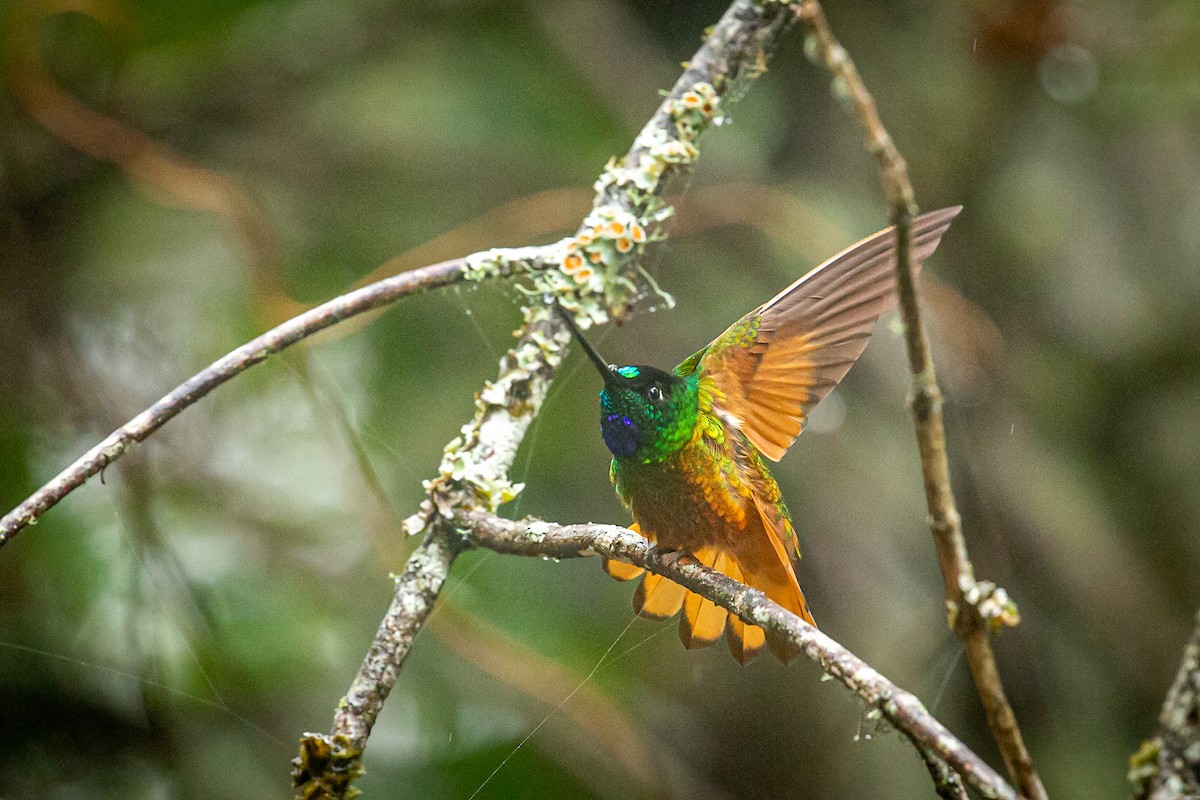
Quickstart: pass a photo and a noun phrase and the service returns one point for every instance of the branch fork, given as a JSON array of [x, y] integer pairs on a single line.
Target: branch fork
[[596, 276]]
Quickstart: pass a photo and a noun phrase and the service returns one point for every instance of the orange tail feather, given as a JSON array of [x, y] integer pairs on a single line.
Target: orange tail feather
[[745, 641], [619, 569], [766, 566], [760, 561], [658, 597], [703, 621]]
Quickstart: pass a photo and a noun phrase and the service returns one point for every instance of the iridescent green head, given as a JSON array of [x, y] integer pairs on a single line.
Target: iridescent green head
[[646, 414]]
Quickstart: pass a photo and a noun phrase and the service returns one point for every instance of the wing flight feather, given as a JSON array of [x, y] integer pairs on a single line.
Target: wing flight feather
[[775, 364]]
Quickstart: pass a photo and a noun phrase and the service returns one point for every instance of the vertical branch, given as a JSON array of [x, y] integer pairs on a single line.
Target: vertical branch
[[477, 477], [328, 765], [973, 605], [594, 275], [416, 590]]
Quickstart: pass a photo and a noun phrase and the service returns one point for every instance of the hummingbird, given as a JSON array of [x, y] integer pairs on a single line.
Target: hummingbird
[[689, 447]]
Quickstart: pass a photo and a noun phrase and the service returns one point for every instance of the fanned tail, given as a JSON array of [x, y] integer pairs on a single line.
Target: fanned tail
[[759, 563], [656, 597]]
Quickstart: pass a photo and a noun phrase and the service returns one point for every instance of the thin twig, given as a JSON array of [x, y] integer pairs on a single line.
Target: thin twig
[[1167, 767], [901, 709], [370, 297], [964, 595]]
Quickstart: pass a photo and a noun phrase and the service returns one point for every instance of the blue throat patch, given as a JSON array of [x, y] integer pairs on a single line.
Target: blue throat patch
[[620, 434]]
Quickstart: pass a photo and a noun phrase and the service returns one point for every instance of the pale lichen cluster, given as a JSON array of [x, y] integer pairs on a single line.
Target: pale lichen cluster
[[993, 603], [475, 464], [598, 267], [501, 261], [592, 275], [660, 149]]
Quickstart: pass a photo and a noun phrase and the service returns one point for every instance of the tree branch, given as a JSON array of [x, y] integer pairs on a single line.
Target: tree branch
[[946, 781], [973, 605], [531, 537], [1167, 767], [475, 465], [474, 480], [376, 295]]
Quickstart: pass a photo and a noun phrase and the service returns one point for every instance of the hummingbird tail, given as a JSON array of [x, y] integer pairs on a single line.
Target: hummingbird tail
[[766, 566], [656, 597], [760, 562], [703, 621], [619, 569]]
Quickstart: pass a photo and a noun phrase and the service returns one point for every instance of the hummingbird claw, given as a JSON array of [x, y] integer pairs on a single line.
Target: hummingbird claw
[[669, 558]]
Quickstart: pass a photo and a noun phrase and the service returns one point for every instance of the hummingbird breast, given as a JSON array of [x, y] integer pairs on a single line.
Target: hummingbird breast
[[701, 495]]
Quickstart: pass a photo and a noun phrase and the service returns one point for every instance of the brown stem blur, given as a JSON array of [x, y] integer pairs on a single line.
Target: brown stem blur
[[926, 402]]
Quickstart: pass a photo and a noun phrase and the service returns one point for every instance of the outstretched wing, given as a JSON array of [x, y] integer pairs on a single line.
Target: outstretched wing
[[771, 367]]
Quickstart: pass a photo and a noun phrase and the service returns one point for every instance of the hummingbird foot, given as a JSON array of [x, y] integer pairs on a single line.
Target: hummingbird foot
[[669, 557]]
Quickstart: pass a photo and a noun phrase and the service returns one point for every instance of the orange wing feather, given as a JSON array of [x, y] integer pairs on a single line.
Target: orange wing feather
[[774, 365]]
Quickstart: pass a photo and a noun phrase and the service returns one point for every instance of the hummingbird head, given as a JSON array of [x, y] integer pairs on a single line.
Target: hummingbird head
[[646, 414]]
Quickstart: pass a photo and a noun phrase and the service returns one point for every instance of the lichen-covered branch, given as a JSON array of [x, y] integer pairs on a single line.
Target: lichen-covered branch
[[974, 606], [595, 275], [329, 764], [901, 709], [1167, 767], [474, 475]]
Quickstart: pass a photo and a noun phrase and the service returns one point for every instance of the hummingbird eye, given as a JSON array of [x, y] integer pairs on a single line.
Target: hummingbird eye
[[654, 393]]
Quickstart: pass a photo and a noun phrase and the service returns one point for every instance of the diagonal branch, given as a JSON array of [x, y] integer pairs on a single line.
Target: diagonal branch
[[531, 537], [376, 295], [973, 605]]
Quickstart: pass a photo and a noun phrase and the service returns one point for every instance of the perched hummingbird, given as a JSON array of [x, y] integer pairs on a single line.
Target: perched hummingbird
[[689, 445]]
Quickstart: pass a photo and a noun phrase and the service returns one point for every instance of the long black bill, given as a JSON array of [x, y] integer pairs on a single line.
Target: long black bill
[[603, 367]]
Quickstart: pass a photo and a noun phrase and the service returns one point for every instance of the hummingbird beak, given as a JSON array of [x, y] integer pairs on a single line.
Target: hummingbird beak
[[605, 369]]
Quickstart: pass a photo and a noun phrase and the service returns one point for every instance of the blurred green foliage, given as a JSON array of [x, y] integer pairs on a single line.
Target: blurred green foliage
[[171, 630]]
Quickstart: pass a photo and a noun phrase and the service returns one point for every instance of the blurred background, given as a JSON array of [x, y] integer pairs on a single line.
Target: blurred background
[[178, 177]]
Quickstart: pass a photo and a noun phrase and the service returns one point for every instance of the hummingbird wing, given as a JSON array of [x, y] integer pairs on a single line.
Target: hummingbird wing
[[772, 366]]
